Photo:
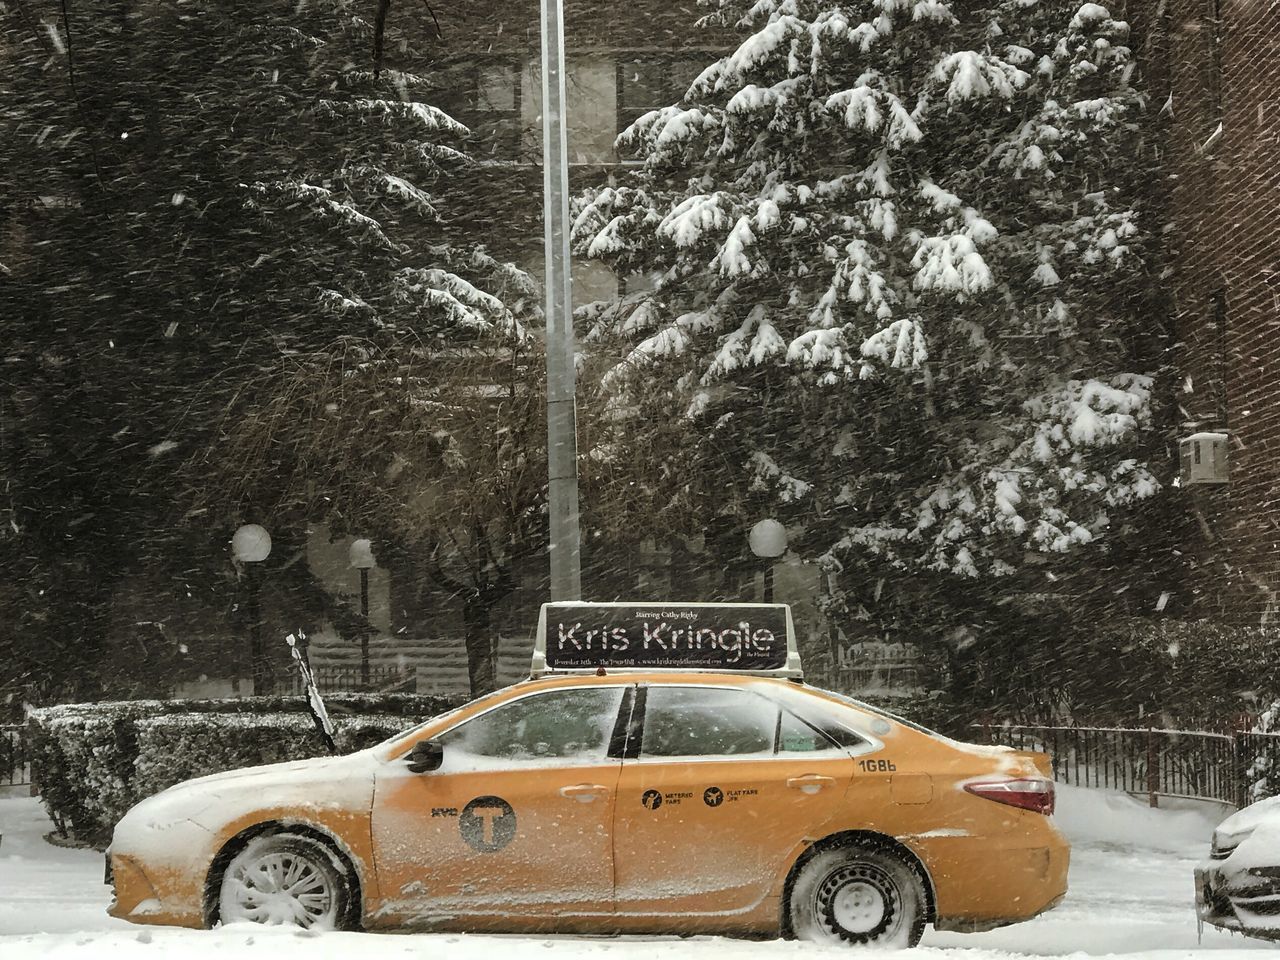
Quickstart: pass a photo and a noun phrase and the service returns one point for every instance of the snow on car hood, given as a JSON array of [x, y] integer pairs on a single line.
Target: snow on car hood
[[206, 804], [294, 772], [1261, 848], [1252, 836], [1246, 820]]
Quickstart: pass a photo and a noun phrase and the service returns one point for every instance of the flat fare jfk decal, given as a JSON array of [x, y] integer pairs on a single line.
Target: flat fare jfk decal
[[712, 797]]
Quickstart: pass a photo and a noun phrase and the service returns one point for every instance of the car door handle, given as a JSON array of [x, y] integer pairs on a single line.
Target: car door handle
[[810, 782], [583, 792]]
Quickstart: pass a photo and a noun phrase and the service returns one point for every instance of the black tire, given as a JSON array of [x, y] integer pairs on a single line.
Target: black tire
[[287, 878], [859, 896]]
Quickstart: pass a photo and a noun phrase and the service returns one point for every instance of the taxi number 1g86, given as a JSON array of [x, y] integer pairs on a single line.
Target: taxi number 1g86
[[878, 766]]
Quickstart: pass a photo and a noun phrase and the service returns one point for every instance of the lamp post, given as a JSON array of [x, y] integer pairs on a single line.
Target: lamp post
[[250, 545], [360, 556], [565, 548], [768, 540]]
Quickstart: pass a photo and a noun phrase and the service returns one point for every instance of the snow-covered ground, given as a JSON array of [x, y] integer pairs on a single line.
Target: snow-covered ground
[[1131, 894]]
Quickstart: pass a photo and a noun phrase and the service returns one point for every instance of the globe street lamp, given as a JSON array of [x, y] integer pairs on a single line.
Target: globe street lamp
[[250, 545], [768, 540], [360, 556]]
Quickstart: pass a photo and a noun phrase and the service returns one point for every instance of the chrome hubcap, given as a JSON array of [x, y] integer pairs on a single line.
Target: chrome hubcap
[[858, 907], [278, 888], [859, 903]]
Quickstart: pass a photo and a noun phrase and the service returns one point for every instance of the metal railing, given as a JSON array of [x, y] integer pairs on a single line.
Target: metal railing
[[349, 679], [1170, 763], [15, 771]]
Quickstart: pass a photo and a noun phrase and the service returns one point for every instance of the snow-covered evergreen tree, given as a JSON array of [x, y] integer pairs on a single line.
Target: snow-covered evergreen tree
[[899, 251]]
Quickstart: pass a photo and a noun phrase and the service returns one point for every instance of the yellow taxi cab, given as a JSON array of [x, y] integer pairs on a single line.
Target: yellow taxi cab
[[664, 770]]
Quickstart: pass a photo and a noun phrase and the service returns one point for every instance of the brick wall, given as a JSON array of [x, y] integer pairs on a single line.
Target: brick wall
[[1214, 62]]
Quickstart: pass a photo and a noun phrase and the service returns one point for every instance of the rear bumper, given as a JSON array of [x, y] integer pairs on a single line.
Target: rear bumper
[[957, 925], [1239, 900], [979, 887]]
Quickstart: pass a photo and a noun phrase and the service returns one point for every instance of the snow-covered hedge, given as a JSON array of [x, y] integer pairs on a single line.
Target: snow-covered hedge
[[94, 761]]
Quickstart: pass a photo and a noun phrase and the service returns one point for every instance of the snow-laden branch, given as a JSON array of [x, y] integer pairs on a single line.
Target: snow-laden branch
[[366, 109], [970, 75]]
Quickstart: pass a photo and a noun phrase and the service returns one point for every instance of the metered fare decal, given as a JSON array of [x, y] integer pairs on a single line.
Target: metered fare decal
[[711, 796], [741, 638]]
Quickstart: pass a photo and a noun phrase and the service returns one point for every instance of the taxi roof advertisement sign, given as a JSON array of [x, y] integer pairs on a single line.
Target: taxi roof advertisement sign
[[754, 638]]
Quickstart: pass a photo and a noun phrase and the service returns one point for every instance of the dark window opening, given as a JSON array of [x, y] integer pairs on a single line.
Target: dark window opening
[[492, 94], [1218, 319], [1212, 64], [647, 82]]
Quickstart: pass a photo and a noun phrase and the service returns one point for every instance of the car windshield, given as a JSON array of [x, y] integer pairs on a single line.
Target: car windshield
[[388, 746]]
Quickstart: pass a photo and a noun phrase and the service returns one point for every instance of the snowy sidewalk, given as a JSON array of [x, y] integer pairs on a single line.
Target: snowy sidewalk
[[1130, 894]]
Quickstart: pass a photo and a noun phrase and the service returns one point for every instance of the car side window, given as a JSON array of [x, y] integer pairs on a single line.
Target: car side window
[[707, 721], [570, 725], [796, 736]]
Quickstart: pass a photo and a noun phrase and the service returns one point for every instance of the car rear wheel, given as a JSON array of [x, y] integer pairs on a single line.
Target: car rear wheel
[[284, 878], [858, 895]]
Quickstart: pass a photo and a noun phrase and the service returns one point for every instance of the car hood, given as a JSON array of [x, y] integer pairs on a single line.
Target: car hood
[[1250, 840], [295, 772], [1252, 815], [299, 788]]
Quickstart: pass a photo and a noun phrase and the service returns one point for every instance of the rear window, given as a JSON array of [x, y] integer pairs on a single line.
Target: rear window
[[881, 712], [816, 706]]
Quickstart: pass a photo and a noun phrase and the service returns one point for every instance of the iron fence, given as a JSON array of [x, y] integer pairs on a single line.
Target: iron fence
[[15, 771], [1171, 763], [350, 679]]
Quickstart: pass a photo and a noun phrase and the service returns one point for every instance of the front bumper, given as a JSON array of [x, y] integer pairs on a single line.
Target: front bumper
[[158, 897], [1241, 901], [158, 864]]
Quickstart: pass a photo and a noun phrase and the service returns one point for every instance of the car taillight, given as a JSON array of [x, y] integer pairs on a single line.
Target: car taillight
[[1027, 793]]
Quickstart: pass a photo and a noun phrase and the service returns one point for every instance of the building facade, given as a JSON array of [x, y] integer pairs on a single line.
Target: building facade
[[1215, 64]]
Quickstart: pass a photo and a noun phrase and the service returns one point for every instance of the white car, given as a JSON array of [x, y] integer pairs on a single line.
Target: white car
[[1239, 888]]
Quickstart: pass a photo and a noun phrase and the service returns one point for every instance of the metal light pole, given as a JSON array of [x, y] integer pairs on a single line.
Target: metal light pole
[[251, 544], [768, 540], [360, 555], [562, 441]]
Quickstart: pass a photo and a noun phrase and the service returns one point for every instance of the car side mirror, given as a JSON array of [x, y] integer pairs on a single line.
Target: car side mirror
[[426, 755]]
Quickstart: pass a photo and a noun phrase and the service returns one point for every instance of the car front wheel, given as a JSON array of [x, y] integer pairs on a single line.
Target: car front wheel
[[285, 878], [858, 895]]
